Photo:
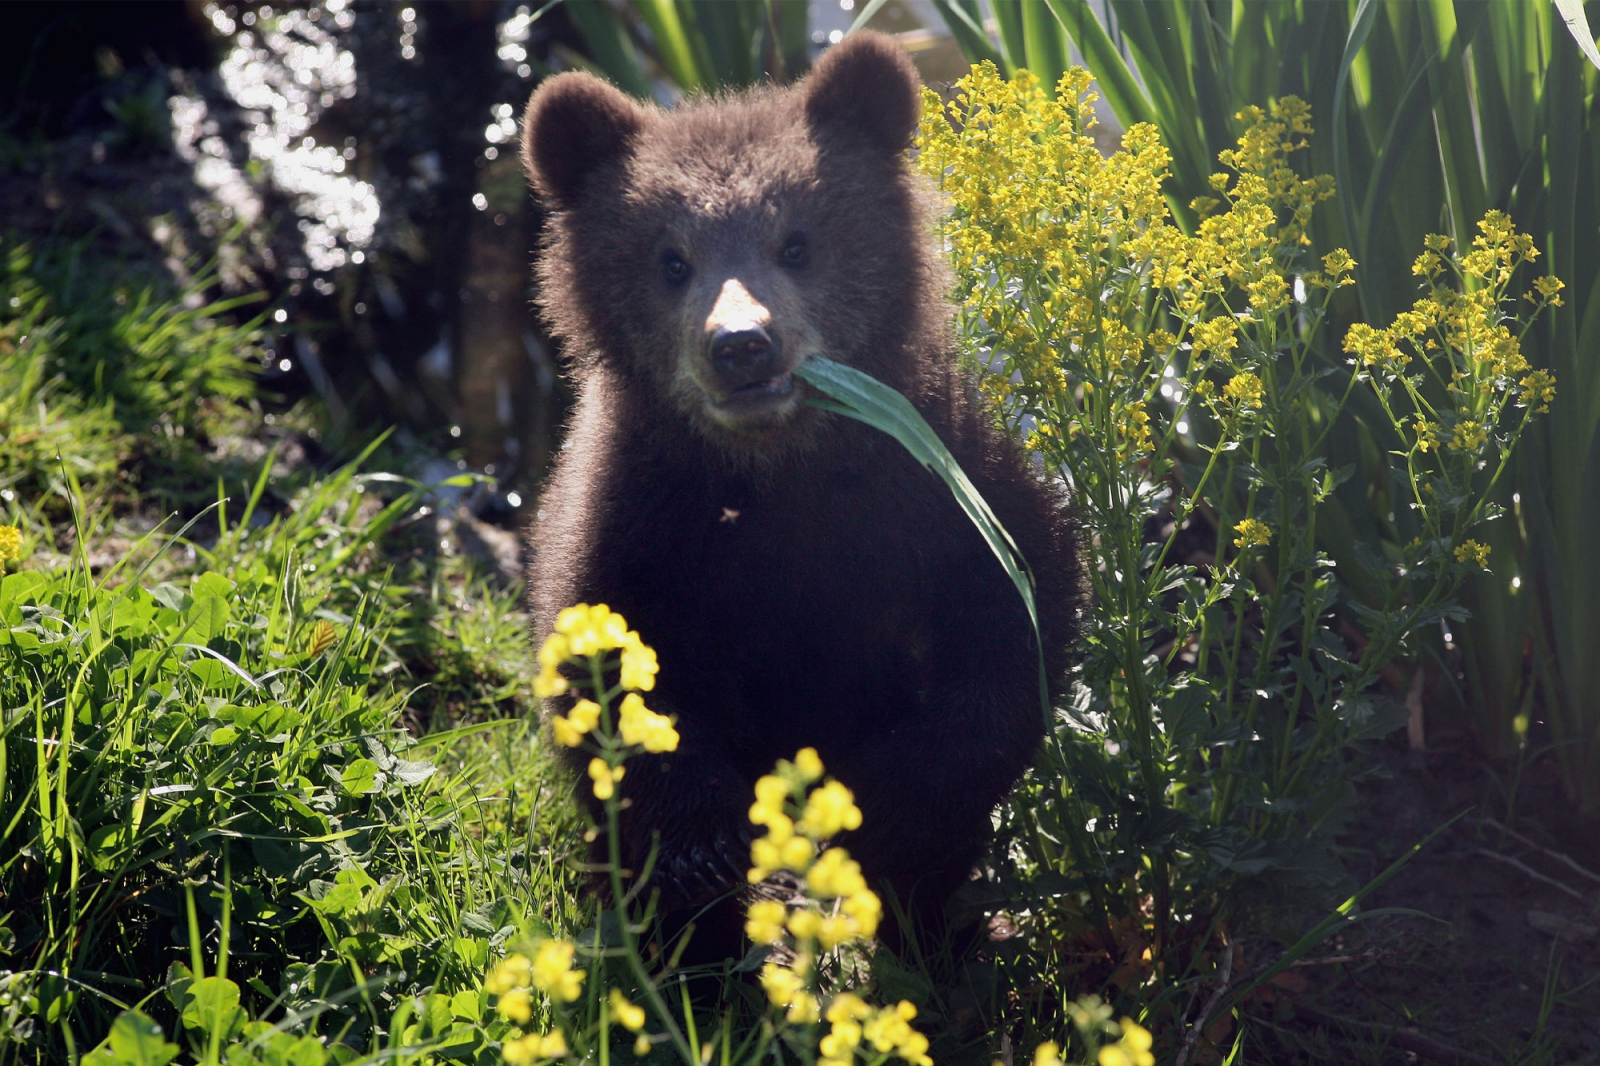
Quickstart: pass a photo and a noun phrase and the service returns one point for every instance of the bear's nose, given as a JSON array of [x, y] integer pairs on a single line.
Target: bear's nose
[[743, 355]]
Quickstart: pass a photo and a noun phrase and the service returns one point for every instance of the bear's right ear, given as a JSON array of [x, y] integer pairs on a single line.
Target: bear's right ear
[[575, 124], [866, 88]]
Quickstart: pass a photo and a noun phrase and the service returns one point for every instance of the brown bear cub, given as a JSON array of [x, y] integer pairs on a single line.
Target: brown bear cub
[[803, 580]]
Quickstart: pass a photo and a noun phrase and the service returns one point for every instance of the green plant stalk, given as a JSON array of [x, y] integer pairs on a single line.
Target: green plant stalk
[[618, 896]]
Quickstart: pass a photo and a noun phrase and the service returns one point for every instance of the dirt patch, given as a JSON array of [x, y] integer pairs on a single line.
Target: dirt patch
[[1505, 967]]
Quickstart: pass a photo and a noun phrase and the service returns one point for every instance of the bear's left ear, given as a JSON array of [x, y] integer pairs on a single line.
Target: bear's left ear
[[575, 125], [866, 87]]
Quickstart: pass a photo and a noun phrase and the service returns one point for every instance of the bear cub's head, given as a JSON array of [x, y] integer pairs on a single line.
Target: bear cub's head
[[697, 256]]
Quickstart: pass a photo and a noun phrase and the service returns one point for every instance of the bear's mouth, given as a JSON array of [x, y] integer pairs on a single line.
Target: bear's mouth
[[758, 396]]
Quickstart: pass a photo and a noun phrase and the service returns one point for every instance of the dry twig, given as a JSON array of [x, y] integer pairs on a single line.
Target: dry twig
[[1531, 872]]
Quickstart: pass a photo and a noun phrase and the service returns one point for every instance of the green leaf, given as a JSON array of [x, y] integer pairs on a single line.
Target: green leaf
[[360, 777], [850, 392], [135, 1040], [211, 1004], [1578, 25], [212, 584]]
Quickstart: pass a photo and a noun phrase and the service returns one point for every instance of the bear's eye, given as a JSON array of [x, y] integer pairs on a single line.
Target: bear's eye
[[795, 253], [674, 268]]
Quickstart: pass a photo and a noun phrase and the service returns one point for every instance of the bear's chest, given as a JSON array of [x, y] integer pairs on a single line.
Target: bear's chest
[[782, 614]]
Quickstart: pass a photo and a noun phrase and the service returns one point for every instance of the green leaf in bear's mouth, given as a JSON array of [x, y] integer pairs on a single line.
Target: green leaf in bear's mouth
[[863, 397]]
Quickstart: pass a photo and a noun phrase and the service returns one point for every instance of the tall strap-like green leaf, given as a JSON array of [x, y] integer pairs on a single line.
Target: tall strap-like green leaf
[[1578, 25], [610, 47], [969, 34], [671, 41], [850, 392], [1343, 173]]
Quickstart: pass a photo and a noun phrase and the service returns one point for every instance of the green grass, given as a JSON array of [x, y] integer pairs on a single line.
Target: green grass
[[218, 731]]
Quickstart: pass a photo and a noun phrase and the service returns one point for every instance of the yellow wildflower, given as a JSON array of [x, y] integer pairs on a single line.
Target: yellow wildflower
[[640, 725], [764, 921], [552, 653], [1133, 1049], [1047, 1054], [629, 1015], [803, 1009], [1468, 436], [10, 546], [865, 909], [1137, 427], [771, 793], [1215, 335], [1245, 389], [890, 1029], [641, 1046], [765, 859], [516, 1006], [1470, 551], [1252, 534], [552, 971], [796, 853], [808, 765], [835, 874], [639, 666], [841, 1041], [524, 1050], [508, 973], [1338, 264], [1427, 433], [569, 731], [805, 924], [1548, 287], [604, 777], [829, 810], [780, 984], [1538, 389]]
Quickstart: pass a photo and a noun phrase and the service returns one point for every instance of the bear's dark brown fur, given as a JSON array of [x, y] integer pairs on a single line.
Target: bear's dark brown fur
[[802, 579]]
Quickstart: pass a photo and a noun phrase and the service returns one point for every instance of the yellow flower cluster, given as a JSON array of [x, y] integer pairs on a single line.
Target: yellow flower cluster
[[549, 971], [1470, 551], [644, 727], [10, 546], [583, 631], [629, 1015], [797, 820], [1131, 1049], [887, 1030], [1058, 252], [1252, 534], [1468, 436], [532, 1047], [569, 730], [605, 777], [1245, 390], [1538, 389], [1461, 329], [791, 844]]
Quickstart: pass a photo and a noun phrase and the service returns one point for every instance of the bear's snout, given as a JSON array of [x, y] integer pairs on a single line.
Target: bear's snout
[[744, 356], [749, 381]]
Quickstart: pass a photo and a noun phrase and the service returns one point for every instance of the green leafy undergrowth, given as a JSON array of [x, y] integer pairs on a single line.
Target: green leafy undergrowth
[[101, 376], [212, 822]]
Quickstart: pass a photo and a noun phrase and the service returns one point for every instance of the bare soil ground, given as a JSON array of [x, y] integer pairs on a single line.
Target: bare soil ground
[[1502, 962]]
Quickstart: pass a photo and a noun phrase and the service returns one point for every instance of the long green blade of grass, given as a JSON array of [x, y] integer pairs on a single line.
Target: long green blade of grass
[[1578, 25], [849, 392]]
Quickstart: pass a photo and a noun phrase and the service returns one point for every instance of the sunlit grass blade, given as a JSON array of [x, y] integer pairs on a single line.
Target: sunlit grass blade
[[1578, 25]]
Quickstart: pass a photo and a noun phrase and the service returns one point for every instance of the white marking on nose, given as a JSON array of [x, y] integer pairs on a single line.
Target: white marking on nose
[[736, 309]]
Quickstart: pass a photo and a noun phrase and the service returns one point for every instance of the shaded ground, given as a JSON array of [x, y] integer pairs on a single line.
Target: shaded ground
[[1505, 968]]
